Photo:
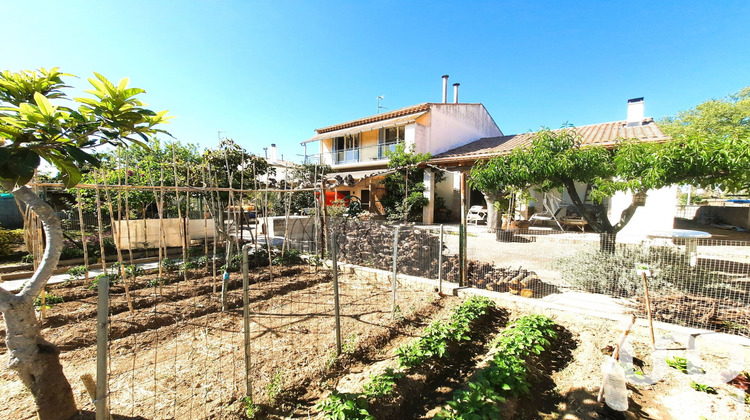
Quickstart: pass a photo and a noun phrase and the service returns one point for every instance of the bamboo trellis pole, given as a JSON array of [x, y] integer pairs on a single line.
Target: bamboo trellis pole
[[166, 188], [118, 249], [179, 214], [83, 238]]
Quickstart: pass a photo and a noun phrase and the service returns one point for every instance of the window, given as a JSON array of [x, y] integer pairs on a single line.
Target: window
[[346, 148], [389, 138], [365, 199]]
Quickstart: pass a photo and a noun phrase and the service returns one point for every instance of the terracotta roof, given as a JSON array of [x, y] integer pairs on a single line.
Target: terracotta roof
[[604, 134], [373, 118]]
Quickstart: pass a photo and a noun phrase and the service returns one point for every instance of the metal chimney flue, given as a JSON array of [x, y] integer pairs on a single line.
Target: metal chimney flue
[[455, 92], [445, 88]]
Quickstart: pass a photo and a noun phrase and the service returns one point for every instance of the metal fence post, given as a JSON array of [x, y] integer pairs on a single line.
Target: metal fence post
[[440, 262], [102, 315], [246, 319], [395, 266], [336, 309]]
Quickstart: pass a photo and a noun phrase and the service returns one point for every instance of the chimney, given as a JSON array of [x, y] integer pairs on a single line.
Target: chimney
[[635, 112], [445, 88], [272, 155], [455, 92]]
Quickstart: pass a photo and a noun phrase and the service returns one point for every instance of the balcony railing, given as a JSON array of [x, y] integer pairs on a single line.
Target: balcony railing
[[355, 155]]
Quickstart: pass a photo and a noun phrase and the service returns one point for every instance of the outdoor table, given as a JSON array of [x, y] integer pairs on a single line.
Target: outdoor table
[[690, 236]]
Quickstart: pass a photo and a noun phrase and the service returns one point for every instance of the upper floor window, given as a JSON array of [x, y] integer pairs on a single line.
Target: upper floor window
[[389, 137], [346, 149]]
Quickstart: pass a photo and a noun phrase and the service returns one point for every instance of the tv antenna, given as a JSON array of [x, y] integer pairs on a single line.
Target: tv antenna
[[380, 99]]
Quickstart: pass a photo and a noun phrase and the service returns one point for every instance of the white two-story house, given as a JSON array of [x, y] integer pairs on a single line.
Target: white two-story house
[[356, 150]]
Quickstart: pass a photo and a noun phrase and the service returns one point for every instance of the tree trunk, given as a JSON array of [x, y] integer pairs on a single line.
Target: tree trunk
[[607, 242], [493, 216], [34, 359]]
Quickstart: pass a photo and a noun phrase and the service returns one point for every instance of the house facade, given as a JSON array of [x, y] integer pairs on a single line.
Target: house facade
[[457, 135], [357, 150]]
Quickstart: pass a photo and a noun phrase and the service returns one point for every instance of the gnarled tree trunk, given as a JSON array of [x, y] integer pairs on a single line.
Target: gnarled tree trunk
[[34, 359], [493, 216]]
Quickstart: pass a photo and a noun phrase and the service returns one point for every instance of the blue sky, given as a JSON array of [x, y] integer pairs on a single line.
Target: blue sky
[[273, 71]]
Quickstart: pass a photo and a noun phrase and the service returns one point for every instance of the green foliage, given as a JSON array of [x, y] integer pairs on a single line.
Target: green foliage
[[95, 282], [403, 198], [275, 386], [506, 374], [49, 299], [613, 273], [436, 338], [32, 128], [202, 262], [290, 257], [382, 385], [8, 238], [702, 388], [726, 117], [683, 365], [168, 265], [344, 406], [77, 272], [251, 409], [557, 160], [158, 281]]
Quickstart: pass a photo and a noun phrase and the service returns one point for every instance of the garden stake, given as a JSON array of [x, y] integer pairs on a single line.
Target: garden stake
[[440, 262], [43, 306], [101, 348], [334, 260], [181, 229], [83, 238], [648, 310], [395, 260], [101, 229], [118, 250], [246, 319]]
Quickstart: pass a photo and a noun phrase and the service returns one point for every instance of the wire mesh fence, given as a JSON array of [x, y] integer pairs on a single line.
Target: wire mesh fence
[[703, 283]]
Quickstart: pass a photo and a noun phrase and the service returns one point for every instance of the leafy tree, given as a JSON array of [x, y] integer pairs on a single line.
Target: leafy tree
[[33, 128], [727, 118], [557, 160], [307, 176], [404, 198]]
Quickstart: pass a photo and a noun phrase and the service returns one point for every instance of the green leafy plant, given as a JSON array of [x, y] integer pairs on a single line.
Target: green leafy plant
[[290, 257], [702, 388], [683, 365], [382, 385], [251, 409], [8, 238], [168, 265], [506, 374], [77, 272], [436, 338], [275, 386], [345, 406], [158, 281], [95, 282], [49, 299]]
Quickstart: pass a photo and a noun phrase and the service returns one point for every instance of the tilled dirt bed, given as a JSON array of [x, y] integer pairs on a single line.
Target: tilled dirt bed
[[178, 355]]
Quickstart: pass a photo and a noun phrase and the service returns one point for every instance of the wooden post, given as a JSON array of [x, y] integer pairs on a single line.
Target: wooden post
[[648, 310], [395, 272], [462, 266], [102, 315], [246, 319], [83, 238], [336, 309], [440, 261]]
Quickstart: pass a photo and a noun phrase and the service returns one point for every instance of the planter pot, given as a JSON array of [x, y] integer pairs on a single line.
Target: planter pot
[[519, 224]]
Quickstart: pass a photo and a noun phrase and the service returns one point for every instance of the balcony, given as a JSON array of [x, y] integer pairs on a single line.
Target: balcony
[[354, 155]]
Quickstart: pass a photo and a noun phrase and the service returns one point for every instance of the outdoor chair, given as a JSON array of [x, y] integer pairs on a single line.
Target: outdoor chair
[[553, 211], [476, 214]]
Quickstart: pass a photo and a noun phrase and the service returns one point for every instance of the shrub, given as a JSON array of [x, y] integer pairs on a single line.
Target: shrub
[[168, 265], [8, 238], [614, 273]]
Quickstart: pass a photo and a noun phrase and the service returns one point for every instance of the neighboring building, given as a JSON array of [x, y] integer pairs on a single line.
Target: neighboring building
[[658, 212], [284, 168], [356, 150]]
